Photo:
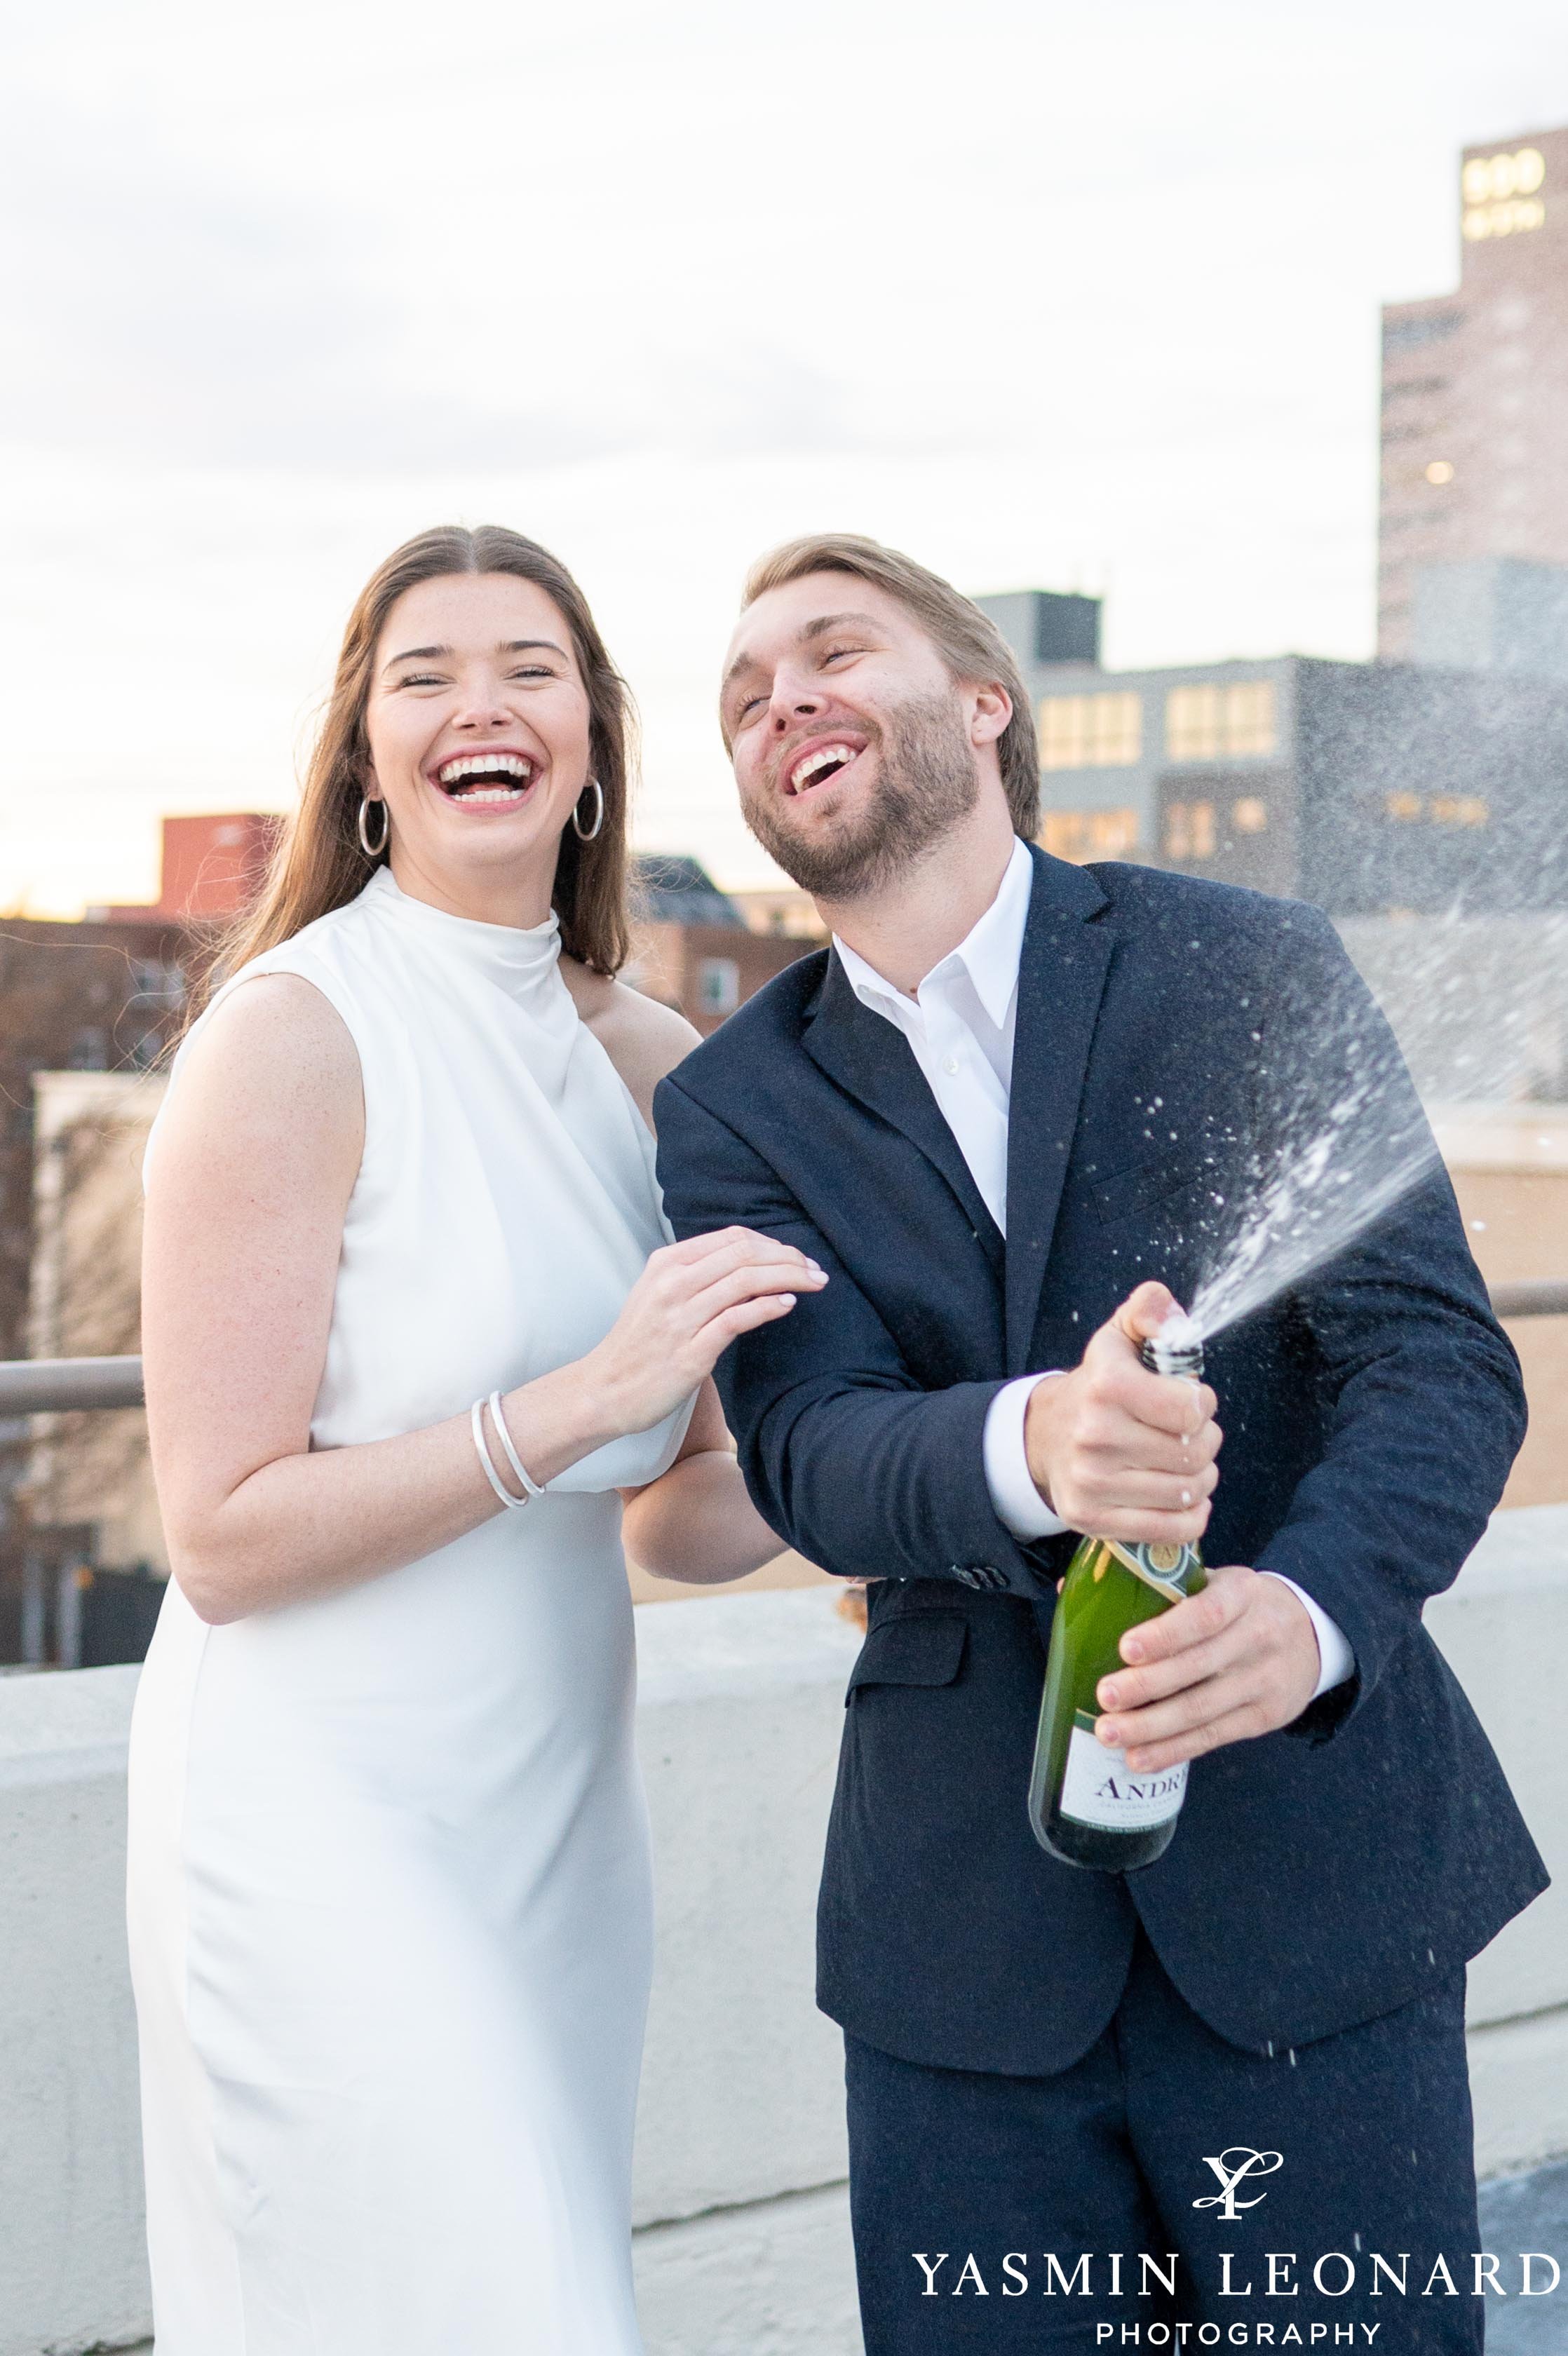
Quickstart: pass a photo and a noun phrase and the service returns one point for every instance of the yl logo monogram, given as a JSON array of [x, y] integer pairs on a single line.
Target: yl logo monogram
[[1233, 2166]]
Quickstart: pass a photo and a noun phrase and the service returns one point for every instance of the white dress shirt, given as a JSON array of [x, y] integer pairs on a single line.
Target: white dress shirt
[[960, 1025]]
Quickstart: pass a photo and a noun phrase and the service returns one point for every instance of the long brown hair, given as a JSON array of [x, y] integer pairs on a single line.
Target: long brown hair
[[319, 864], [967, 639]]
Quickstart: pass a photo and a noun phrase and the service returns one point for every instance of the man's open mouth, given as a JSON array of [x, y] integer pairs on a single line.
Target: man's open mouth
[[495, 777], [815, 769]]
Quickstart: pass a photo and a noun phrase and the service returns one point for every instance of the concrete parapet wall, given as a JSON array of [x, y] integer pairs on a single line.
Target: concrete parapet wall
[[743, 2245], [740, 1710], [72, 2268]]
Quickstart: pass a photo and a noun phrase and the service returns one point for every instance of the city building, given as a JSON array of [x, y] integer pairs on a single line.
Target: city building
[[692, 948], [73, 998], [1473, 530], [782, 909], [88, 1557], [79, 1001], [1363, 786], [1423, 809], [212, 867]]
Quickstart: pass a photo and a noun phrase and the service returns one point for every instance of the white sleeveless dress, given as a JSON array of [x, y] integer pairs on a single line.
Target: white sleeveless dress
[[389, 1904]]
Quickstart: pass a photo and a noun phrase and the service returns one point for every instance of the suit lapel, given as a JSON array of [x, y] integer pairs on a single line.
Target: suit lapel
[[871, 1059], [1061, 979]]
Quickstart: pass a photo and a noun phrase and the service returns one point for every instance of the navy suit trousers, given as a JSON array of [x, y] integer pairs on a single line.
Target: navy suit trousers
[[964, 2182]]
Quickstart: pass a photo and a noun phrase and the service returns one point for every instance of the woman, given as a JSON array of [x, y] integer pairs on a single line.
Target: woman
[[410, 1323]]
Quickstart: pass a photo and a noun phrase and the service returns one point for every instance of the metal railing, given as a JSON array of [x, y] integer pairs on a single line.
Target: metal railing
[[56, 1386], [1534, 1296], [62, 1386], [54, 1595], [53, 1386]]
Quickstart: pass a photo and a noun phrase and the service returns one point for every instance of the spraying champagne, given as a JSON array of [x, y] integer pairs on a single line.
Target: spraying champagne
[[1085, 1805]]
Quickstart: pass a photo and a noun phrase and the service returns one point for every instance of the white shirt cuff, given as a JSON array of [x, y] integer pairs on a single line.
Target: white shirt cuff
[[1020, 1508], [1337, 1661], [1018, 1504]]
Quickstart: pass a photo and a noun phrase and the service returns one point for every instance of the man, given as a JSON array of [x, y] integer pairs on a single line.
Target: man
[[1012, 1089]]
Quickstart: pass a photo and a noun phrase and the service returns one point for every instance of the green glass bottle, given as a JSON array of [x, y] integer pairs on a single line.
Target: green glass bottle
[[1085, 1806]]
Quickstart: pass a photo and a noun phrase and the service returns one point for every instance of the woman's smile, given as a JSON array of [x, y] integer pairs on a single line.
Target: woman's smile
[[497, 778]]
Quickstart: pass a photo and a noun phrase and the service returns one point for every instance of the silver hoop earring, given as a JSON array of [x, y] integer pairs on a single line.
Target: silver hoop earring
[[373, 849], [586, 833]]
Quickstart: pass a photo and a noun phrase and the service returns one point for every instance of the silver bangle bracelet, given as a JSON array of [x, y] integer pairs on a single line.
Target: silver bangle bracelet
[[530, 1487], [477, 1426]]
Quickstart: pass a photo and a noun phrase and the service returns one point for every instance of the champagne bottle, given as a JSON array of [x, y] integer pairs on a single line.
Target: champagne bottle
[[1085, 1805]]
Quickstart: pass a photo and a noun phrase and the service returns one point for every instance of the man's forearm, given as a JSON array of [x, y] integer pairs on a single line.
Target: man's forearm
[[874, 1481]]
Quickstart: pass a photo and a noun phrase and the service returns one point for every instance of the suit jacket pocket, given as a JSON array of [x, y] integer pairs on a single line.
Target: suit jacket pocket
[[916, 1648]]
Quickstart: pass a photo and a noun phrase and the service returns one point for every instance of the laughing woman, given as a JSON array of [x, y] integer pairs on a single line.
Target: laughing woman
[[410, 1324]]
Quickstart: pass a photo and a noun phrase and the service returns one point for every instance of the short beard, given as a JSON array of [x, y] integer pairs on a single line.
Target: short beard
[[928, 783]]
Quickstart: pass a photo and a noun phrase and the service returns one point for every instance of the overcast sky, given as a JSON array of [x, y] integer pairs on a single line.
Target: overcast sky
[[1080, 297]]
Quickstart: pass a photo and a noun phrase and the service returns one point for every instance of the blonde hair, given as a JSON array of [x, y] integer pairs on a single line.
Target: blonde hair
[[968, 641], [319, 864]]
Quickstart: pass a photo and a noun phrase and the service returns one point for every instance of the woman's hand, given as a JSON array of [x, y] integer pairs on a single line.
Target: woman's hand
[[685, 1309]]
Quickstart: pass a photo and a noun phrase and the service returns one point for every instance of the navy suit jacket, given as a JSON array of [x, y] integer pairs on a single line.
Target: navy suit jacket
[[1168, 1032]]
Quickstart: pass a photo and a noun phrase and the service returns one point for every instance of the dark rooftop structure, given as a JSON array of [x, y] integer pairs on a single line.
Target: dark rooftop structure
[[675, 889], [1048, 625]]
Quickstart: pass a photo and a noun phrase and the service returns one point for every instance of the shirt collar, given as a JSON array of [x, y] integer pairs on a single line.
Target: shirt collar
[[990, 953]]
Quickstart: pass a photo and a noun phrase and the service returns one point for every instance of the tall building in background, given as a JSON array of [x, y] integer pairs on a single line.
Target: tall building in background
[[1421, 806], [213, 868], [1472, 527], [1366, 787]]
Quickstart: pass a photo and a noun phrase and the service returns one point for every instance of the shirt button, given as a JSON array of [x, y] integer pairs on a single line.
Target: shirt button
[[950, 1064]]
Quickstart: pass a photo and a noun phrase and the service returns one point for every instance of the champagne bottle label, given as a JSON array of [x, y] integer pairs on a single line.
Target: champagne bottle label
[[1100, 1788], [1165, 1568]]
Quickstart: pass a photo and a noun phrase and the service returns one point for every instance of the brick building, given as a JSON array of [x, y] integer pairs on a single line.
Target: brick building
[[211, 867], [1473, 530], [692, 948]]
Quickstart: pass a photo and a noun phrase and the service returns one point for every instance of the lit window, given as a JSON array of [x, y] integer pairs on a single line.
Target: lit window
[[1504, 220], [1208, 723], [1249, 816], [1079, 835], [1459, 809], [1440, 471], [1091, 732], [718, 985], [1192, 727], [1519, 175], [1189, 830], [1403, 806], [1249, 723]]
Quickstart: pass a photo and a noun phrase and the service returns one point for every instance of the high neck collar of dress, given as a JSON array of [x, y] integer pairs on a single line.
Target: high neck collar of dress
[[513, 954]]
